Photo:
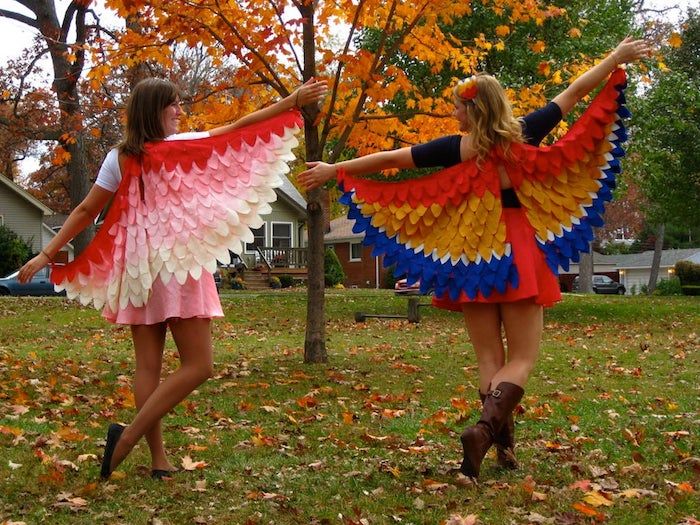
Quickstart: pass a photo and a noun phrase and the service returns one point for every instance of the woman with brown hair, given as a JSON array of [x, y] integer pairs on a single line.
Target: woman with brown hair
[[180, 202], [489, 232]]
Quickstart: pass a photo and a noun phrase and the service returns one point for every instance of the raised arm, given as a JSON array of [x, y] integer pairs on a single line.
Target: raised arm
[[77, 221], [628, 50], [310, 92], [321, 172]]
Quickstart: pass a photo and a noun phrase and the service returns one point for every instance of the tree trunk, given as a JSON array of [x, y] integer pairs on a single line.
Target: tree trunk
[[656, 260], [315, 340], [65, 84], [585, 272]]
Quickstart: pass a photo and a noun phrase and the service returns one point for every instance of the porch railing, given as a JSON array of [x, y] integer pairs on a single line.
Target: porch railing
[[283, 257]]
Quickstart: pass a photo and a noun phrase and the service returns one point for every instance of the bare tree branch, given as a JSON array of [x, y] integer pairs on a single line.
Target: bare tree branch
[[19, 18]]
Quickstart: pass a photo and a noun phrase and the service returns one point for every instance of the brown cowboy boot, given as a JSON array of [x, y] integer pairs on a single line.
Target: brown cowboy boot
[[505, 442], [477, 439]]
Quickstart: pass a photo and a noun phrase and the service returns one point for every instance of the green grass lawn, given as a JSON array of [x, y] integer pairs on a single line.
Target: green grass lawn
[[608, 431]]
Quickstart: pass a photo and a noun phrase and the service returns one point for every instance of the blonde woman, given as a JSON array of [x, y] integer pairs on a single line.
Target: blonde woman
[[489, 231]]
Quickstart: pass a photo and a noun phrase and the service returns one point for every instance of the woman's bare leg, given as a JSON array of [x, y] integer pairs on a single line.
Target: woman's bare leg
[[193, 340], [522, 321], [149, 342], [483, 323]]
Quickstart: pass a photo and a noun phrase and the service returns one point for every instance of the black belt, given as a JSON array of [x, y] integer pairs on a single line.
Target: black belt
[[509, 199]]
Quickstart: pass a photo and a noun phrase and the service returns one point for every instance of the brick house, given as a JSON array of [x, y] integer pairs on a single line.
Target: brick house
[[362, 269]]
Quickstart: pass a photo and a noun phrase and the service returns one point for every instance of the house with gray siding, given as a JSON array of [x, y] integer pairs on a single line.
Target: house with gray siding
[[284, 226], [26, 215]]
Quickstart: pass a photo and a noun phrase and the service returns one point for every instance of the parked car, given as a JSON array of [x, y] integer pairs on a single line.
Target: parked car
[[603, 284], [401, 287], [39, 285]]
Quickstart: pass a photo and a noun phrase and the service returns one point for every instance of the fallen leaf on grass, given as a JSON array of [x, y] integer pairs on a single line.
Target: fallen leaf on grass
[[85, 457], [534, 517], [583, 484], [456, 519], [538, 496], [264, 496], [70, 434], [188, 464], [677, 434], [11, 431], [597, 499], [682, 487], [200, 485], [13, 466], [637, 493], [434, 486], [586, 510], [88, 489], [19, 410], [66, 499]]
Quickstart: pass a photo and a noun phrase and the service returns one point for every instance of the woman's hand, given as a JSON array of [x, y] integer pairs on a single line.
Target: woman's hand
[[32, 266], [630, 50], [318, 174], [309, 92]]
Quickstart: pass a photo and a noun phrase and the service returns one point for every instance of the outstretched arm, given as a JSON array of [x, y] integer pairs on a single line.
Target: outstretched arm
[[310, 92], [76, 222], [321, 172], [628, 50]]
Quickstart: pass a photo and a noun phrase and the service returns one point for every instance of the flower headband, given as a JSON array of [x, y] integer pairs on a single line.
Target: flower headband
[[467, 88]]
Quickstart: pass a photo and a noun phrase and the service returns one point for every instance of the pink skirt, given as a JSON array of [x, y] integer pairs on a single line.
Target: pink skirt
[[536, 280], [195, 298]]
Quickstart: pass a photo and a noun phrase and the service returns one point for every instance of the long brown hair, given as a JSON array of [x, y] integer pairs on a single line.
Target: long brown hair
[[144, 112], [490, 116]]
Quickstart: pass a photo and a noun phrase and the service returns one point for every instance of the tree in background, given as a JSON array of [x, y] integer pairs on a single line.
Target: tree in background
[[62, 120], [667, 158]]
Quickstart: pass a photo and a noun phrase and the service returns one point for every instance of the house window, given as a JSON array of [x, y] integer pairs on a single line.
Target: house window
[[355, 251], [258, 239], [2, 220], [281, 234]]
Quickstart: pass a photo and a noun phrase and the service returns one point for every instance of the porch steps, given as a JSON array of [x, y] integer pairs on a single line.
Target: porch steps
[[255, 280]]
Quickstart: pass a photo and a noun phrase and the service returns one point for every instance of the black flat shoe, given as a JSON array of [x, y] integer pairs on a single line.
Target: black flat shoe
[[114, 432], [162, 474]]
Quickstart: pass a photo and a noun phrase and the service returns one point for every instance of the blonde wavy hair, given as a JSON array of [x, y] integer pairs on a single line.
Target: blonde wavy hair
[[490, 115]]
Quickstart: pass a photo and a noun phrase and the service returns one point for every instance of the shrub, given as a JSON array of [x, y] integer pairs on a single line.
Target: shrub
[[670, 286], [688, 272], [237, 283], [334, 271], [286, 280], [14, 251], [275, 282], [389, 279]]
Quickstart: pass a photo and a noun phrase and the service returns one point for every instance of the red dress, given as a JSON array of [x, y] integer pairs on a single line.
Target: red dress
[[450, 231]]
